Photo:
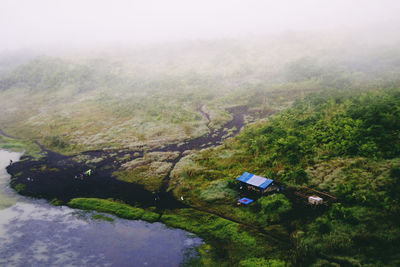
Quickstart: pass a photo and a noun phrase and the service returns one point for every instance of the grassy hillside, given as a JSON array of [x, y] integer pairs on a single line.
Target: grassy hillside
[[344, 143], [147, 96]]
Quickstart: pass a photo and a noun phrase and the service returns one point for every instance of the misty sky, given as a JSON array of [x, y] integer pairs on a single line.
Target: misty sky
[[26, 23]]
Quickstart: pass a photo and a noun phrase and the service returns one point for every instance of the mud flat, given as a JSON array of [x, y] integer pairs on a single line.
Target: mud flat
[[56, 176]]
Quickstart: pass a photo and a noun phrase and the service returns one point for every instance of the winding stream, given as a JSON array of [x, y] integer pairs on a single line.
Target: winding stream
[[34, 233]]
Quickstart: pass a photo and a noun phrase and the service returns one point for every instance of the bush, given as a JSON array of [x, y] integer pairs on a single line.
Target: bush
[[57, 142], [272, 207]]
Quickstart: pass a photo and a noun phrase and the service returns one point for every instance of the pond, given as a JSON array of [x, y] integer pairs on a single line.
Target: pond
[[35, 233]]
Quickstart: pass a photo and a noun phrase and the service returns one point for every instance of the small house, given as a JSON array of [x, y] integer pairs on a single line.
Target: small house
[[257, 183]]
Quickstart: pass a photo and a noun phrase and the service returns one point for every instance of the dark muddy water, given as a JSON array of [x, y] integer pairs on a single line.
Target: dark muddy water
[[34, 233]]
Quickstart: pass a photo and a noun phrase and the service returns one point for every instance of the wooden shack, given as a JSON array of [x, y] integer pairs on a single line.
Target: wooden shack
[[257, 183]]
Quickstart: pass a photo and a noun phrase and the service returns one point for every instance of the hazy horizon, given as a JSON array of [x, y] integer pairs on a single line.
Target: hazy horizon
[[28, 24]]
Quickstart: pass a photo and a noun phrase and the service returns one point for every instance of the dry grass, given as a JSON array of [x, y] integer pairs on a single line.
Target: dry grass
[[149, 170]]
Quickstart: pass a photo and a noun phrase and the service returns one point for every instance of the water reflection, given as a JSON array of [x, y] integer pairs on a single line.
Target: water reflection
[[34, 233]]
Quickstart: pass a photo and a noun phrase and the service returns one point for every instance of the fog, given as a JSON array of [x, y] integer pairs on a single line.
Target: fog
[[26, 23]]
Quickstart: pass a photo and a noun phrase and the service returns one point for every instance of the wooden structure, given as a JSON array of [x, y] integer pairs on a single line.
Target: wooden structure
[[257, 183], [314, 197]]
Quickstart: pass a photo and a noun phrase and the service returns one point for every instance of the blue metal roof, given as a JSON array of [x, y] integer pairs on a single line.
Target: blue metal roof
[[245, 200], [255, 180]]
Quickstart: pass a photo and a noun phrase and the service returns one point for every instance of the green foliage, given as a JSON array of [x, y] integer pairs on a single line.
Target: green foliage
[[218, 190], [57, 142], [29, 148], [392, 197], [102, 217], [272, 207], [56, 202], [395, 172], [119, 209], [19, 187], [344, 233], [331, 140], [261, 262], [232, 243], [325, 126]]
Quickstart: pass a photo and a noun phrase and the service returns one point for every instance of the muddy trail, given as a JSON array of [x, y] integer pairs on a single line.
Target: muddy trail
[[56, 176]]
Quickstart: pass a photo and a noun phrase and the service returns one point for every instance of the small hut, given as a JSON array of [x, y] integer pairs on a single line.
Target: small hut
[[257, 183]]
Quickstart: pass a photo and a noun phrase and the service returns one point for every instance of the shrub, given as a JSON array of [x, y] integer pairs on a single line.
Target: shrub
[[272, 207], [58, 142]]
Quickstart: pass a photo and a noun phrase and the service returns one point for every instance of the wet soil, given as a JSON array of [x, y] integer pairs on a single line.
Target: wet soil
[[56, 176]]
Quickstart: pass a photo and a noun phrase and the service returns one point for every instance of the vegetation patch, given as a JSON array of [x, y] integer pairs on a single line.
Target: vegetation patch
[[150, 170], [110, 206], [29, 148], [271, 208], [218, 190], [344, 143], [261, 262], [56, 202], [150, 176], [102, 217], [19, 187], [229, 241]]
